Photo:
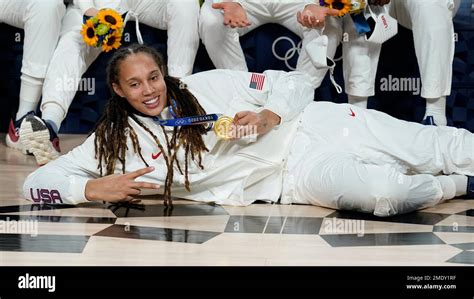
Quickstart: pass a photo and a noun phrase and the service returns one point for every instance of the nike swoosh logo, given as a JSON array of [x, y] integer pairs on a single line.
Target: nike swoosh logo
[[12, 132], [155, 156], [352, 113]]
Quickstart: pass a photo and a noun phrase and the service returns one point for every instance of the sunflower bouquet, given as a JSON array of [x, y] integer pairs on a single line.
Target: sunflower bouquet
[[345, 6], [104, 30]]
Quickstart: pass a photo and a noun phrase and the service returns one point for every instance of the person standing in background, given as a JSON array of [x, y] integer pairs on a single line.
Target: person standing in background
[[433, 34], [222, 23], [73, 57], [360, 57], [41, 22]]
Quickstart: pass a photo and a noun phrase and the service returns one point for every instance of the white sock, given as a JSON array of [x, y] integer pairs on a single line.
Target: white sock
[[453, 185], [358, 101], [54, 113], [30, 94], [461, 184], [448, 186], [437, 109]]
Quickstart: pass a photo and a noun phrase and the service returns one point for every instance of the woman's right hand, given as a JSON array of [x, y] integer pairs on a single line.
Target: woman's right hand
[[118, 187], [314, 16]]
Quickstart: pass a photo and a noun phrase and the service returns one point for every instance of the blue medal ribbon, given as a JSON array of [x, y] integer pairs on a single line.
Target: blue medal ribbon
[[360, 23], [187, 121]]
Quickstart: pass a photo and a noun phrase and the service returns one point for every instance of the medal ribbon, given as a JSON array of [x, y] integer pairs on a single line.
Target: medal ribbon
[[360, 23], [221, 123], [187, 121]]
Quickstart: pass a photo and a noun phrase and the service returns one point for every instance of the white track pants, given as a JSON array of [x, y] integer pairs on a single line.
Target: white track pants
[[72, 56], [360, 58], [433, 34], [222, 42], [41, 21], [349, 158]]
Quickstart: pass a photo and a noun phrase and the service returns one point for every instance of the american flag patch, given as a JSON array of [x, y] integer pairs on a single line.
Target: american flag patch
[[257, 81]]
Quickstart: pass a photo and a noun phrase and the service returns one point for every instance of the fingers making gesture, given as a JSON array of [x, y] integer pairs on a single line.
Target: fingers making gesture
[[118, 187]]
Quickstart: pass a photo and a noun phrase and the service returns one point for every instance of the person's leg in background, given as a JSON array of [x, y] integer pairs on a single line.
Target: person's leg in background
[[41, 21], [360, 61], [180, 19], [433, 34], [222, 42], [70, 61]]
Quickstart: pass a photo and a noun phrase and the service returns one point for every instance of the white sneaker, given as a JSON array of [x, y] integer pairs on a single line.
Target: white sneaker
[[39, 138], [13, 138]]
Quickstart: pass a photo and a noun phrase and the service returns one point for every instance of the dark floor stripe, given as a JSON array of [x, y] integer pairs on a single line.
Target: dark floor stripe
[[302, 225], [43, 243], [464, 246], [274, 225], [465, 257], [246, 224], [395, 239], [467, 213], [157, 234], [412, 218], [162, 210], [34, 207], [57, 219], [454, 229]]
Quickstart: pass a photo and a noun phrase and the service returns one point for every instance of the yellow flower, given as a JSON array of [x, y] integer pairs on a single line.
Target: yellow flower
[[88, 33], [110, 17], [112, 41], [344, 6]]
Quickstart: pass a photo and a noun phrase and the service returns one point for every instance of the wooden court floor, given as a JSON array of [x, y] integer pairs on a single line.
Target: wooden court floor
[[204, 234]]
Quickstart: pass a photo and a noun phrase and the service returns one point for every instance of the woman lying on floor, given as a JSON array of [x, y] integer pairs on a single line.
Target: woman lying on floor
[[332, 155]]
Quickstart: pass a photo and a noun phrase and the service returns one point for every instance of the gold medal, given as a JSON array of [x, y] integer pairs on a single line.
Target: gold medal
[[223, 127]]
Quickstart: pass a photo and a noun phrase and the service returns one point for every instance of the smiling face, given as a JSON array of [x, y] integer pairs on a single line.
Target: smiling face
[[141, 83]]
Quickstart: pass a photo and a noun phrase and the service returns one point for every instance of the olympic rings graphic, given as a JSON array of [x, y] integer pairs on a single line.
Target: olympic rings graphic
[[295, 49]]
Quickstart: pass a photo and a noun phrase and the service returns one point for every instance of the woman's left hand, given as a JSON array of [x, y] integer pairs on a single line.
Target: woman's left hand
[[253, 123]]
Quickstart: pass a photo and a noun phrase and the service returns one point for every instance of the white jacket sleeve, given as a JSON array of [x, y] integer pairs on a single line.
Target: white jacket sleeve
[[284, 93], [289, 93], [227, 91], [63, 180], [84, 5]]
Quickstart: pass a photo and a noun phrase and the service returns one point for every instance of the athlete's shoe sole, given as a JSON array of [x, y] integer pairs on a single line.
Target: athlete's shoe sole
[[15, 145], [36, 140]]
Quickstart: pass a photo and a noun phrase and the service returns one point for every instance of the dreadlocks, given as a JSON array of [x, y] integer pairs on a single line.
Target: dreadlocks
[[113, 128]]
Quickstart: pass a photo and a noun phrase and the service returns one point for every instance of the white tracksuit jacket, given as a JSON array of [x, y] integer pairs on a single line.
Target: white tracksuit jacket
[[331, 155], [235, 173]]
